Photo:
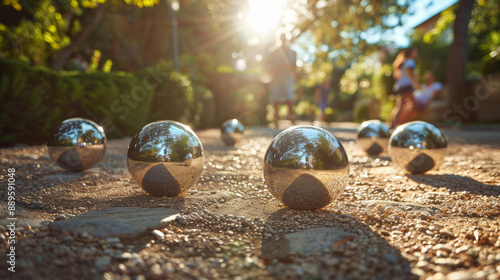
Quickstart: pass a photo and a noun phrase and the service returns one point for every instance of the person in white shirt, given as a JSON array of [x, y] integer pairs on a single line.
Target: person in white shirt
[[406, 82], [427, 92], [282, 65]]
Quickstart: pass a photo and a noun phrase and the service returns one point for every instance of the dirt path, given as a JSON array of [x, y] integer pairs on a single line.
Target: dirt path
[[442, 225]]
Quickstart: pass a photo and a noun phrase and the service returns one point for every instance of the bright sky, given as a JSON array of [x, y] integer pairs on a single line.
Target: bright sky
[[263, 16]]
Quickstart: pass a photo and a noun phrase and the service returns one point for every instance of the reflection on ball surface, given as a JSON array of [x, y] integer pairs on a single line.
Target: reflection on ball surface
[[77, 144], [232, 132], [417, 147], [165, 158], [373, 137], [306, 167]]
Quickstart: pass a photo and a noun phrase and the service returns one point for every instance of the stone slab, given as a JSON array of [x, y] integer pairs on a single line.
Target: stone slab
[[121, 222]]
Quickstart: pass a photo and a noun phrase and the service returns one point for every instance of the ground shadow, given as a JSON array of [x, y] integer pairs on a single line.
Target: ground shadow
[[456, 183], [327, 245]]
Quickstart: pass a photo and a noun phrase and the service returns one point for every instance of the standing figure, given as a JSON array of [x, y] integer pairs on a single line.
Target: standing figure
[[321, 97], [281, 65], [406, 82]]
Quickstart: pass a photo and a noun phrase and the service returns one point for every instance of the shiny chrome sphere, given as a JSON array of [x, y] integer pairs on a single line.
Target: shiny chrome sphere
[[165, 158], [232, 132], [373, 137], [306, 167], [417, 147], [77, 144]]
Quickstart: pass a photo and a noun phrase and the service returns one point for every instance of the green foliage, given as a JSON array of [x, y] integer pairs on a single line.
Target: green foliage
[[43, 28], [339, 28], [32, 41], [173, 94], [383, 82], [357, 79], [372, 84], [433, 49], [482, 52], [491, 60], [34, 100]]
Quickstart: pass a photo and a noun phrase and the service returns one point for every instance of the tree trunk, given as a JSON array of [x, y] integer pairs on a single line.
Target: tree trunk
[[457, 59], [60, 59]]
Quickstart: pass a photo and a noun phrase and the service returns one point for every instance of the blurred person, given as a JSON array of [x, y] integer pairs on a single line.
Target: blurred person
[[281, 65], [79, 63], [321, 97], [427, 91], [406, 82]]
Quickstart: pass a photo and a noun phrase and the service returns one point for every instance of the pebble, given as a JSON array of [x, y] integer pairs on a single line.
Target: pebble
[[446, 261], [112, 240], [460, 275], [447, 233], [102, 263], [443, 247], [181, 220], [158, 234], [123, 256], [61, 217]]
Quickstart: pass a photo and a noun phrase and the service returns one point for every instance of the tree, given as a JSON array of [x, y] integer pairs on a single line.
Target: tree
[[340, 29], [35, 31], [457, 59]]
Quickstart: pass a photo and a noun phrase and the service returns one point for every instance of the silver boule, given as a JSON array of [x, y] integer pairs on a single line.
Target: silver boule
[[306, 167], [373, 137], [77, 144], [165, 158], [232, 132], [417, 147]]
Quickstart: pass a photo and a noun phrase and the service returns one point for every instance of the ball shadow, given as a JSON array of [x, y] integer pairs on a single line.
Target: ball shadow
[[335, 243], [456, 183], [159, 181], [315, 196]]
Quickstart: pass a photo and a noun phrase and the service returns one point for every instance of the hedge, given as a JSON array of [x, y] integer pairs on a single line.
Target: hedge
[[34, 100]]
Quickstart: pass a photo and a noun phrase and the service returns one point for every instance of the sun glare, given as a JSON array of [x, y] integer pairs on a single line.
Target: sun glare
[[264, 15]]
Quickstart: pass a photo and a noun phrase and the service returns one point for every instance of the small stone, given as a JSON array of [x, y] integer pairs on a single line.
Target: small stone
[[418, 271], [123, 256], [181, 220], [443, 247], [435, 227], [61, 217], [447, 233], [102, 263], [113, 240], [422, 264], [158, 234], [46, 222], [460, 275], [446, 261]]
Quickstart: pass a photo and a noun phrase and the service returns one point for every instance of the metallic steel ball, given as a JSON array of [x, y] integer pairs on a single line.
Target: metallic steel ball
[[306, 167], [165, 158], [373, 137], [77, 144], [417, 147], [232, 132]]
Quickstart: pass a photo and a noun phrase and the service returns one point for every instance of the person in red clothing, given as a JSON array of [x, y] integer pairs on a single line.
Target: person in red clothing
[[406, 82]]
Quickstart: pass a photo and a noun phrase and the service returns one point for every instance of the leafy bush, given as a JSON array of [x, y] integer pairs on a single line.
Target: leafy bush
[[383, 82], [34, 100], [173, 94]]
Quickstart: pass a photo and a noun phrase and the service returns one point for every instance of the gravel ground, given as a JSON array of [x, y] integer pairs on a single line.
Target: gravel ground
[[441, 225]]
